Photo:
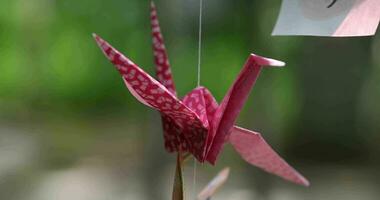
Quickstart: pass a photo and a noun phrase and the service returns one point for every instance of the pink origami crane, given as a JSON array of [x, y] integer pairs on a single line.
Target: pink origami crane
[[197, 124]]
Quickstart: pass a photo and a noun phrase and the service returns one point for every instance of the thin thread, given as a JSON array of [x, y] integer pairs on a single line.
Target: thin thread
[[198, 84], [200, 42], [194, 178]]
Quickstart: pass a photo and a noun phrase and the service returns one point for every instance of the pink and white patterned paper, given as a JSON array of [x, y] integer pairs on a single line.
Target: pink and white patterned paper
[[197, 124]]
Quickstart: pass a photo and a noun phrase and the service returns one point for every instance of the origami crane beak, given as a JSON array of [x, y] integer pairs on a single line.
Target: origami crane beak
[[267, 62]]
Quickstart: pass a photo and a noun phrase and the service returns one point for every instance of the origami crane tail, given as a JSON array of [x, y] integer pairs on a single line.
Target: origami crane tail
[[225, 116], [253, 148], [161, 59]]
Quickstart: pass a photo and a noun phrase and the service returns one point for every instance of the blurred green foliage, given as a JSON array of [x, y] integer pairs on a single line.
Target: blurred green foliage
[[57, 88], [323, 106]]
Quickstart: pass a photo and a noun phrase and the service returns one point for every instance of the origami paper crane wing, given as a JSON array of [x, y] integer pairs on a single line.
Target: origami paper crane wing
[[153, 94], [195, 101], [202, 102], [335, 18], [253, 148], [163, 71], [225, 116]]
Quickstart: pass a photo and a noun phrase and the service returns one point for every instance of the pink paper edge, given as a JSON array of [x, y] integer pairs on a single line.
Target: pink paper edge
[[362, 20]]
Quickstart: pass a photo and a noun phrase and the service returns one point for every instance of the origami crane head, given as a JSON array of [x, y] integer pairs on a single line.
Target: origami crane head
[[197, 124]]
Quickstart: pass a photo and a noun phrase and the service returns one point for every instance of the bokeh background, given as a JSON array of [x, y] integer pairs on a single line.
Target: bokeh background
[[69, 129]]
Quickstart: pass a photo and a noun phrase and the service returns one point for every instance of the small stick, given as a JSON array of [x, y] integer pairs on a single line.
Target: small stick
[[178, 180]]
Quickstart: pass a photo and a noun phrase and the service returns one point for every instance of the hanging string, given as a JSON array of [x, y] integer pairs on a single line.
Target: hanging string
[[194, 178], [200, 42], [198, 84]]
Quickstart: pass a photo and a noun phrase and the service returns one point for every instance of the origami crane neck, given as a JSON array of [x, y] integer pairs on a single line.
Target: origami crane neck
[[233, 102]]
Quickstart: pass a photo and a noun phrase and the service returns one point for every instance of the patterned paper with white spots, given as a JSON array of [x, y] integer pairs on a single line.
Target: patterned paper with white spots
[[197, 124], [163, 71], [253, 148], [151, 92]]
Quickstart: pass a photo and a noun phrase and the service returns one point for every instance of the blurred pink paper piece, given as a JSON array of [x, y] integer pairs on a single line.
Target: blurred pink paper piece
[[335, 18], [214, 184]]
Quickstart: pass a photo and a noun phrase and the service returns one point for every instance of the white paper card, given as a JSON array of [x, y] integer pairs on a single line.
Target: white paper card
[[337, 18]]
